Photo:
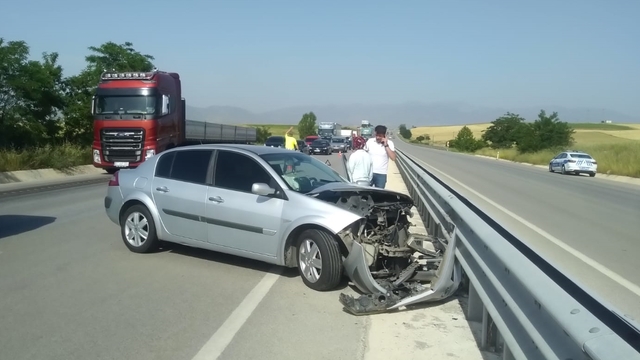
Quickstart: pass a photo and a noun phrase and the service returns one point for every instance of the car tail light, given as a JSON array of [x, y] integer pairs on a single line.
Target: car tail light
[[114, 180], [571, 161], [594, 162]]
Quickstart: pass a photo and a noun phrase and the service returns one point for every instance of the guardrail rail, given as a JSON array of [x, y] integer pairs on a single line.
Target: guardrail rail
[[528, 309]]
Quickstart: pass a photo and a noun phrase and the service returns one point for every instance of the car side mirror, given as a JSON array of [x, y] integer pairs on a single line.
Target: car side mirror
[[262, 189]]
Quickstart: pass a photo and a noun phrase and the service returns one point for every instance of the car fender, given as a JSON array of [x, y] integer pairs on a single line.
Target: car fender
[[333, 222], [140, 196]]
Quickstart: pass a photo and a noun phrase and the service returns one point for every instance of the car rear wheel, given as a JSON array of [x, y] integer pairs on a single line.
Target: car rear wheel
[[138, 230], [319, 260]]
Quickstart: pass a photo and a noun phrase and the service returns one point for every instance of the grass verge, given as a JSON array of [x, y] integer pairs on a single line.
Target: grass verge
[[621, 158], [60, 157]]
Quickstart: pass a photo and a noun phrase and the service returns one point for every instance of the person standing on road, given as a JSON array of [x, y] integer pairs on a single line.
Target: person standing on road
[[359, 164], [290, 142], [381, 150]]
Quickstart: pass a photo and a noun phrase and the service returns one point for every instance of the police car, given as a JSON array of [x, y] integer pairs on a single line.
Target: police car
[[575, 162]]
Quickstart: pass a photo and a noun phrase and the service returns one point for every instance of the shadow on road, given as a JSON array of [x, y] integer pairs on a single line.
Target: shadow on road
[[11, 225], [7, 178], [233, 261]]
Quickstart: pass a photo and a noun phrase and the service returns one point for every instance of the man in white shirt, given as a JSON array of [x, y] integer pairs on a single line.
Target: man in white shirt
[[359, 164], [381, 150]]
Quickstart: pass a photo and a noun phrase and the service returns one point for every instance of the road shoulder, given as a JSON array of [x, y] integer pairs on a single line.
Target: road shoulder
[[437, 330]]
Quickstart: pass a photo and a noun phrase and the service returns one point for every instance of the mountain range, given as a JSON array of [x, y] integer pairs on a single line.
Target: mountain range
[[392, 115]]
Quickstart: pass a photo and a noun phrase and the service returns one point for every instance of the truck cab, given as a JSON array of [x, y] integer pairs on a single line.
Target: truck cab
[[136, 115]]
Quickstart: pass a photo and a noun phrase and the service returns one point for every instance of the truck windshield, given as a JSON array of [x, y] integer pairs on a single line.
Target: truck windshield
[[325, 132], [142, 105]]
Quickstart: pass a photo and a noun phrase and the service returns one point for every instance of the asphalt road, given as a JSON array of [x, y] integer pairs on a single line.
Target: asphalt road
[[70, 289], [598, 219]]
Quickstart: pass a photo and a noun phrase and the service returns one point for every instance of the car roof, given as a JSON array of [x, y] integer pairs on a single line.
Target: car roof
[[256, 149]]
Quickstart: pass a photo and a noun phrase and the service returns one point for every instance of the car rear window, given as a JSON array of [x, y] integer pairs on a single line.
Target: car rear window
[[581, 156]]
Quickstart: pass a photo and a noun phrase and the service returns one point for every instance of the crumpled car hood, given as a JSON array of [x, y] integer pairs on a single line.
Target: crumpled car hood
[[379, 195]]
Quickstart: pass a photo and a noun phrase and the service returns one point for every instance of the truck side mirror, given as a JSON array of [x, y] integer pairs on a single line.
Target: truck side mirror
[[165, 104], [93, 105]]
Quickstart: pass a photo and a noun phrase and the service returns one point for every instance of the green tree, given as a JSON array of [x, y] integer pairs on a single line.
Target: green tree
[[79, 89], [307, 125], [547, 132], [503, 131], [465, 141], [30, 96], [262, 134], [404, 132]]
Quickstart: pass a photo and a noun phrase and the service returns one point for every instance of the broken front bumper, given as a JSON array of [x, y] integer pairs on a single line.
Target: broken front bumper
[[404, 289]]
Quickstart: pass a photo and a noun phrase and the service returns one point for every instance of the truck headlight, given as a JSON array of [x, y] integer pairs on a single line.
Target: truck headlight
[[96, 157], [149, 153]]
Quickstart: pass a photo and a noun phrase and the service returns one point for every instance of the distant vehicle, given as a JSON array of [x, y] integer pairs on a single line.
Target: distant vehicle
[[309, 139], [137, 115], [320, 146], [275, 141], [327, 130], [575, 162], [339, 144], [366, 129], [233, 199], [303, 147]]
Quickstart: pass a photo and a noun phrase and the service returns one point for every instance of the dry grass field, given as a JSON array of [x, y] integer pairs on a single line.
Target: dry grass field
[[616, 147]]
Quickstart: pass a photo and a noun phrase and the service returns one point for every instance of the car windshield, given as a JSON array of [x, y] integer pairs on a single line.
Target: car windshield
[[320, 143], [301, 172], [337, 140]]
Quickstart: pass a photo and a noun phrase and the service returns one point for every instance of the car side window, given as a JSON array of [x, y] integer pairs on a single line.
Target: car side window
[[163, 166], [191, 166], [238, 172]]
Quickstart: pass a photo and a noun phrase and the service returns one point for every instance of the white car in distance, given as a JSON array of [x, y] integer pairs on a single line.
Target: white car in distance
[[574, 162]]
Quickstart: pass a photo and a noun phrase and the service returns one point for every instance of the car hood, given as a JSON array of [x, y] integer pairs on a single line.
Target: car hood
[[378, 195]]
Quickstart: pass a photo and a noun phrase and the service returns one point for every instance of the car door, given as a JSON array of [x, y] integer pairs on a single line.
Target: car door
[[236, 217], [180, 192]]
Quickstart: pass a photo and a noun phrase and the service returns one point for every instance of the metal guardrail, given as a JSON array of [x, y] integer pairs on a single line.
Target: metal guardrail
[[528, 308]]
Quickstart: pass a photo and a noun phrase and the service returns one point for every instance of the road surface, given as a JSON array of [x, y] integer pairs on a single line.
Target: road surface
[[70, 290], [589, 227]]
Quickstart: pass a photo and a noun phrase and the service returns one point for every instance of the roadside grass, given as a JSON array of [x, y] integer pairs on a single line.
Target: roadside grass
[[60, 157], [616, 147], [277, 129], [615, 156]]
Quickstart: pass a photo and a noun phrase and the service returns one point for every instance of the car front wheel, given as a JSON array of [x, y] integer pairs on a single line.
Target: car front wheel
[[138, 230], [319, 260]]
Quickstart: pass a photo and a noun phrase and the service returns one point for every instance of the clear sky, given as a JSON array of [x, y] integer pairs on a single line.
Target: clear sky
[[263, 55]]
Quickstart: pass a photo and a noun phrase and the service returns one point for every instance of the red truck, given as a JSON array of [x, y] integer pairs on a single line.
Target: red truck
[[140, 114]]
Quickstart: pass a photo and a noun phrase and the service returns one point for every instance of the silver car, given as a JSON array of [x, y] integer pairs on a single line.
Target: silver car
[[339, 144], [273, 205]]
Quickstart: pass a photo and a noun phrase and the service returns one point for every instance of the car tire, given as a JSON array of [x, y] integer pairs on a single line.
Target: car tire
[[592, 174], [314, 245], [564, 172], [550, 168], [136, 221]]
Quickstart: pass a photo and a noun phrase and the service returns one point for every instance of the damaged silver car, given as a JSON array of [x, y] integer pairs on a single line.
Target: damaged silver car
[[281, 207]]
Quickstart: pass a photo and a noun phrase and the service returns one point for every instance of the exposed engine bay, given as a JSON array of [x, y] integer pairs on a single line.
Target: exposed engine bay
[[386, 262]]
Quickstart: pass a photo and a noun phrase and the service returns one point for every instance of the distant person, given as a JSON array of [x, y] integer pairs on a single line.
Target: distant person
[[359, 164], [381, 150], [290, 142]]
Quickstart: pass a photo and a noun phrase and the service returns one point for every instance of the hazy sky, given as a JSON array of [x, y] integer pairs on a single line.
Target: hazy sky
[[262, 55]]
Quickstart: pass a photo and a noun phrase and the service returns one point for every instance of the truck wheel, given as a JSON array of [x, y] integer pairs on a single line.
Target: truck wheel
[[319, 260], [112, 171], [138, 230]]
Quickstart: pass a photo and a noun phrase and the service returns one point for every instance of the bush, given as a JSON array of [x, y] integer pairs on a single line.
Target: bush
[[60, 157]]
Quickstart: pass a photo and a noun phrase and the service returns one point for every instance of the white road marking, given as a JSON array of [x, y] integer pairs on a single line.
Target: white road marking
[[587, 260], [222, 338]]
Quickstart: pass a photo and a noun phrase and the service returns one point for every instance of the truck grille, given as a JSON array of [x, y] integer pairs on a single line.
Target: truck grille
[[122, 144]]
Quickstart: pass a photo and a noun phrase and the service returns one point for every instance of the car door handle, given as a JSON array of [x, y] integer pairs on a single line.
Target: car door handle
[[163, 189], [217, 199]]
